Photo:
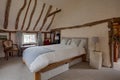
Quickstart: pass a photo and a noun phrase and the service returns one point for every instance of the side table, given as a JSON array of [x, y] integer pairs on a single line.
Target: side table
[[96, 59]]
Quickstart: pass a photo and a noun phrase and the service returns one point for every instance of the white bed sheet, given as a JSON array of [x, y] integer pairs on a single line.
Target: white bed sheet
[[62, 52]]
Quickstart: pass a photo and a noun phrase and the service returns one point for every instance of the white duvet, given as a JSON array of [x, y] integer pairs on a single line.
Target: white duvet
[[61, 52]]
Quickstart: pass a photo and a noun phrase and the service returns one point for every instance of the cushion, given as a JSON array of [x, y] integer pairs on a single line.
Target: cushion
[[69, 41], [64, 41], [75, 42], [8, 44], [82, 43]]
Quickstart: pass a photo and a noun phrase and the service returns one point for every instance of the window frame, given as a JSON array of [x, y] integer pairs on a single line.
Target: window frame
[[29, 42]]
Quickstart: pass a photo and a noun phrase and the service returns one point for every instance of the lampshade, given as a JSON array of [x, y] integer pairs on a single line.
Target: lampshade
[[56, 38], [95, 39]]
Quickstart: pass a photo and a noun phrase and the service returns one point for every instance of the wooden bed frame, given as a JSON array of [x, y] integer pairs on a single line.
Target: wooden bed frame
[[57, 64], [37, 75]]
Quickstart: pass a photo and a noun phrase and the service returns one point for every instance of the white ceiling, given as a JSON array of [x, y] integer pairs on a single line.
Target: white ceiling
[[15, 7], [57, 3]]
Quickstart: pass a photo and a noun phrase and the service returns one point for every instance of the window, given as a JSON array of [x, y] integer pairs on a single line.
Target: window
[[29, 38]]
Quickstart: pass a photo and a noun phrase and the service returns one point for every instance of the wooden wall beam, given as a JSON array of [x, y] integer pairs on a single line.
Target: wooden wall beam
[[51, 22], [9, 35], [87, 24], [26, 15], [32, 13], [54, 12], [43, 7], [7, 11], [19, 13], [45, 19], [7, 31]]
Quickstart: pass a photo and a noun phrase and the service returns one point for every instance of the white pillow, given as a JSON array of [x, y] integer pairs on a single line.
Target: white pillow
[[69, 42], [64, 41], [82, 43], [75, 42]]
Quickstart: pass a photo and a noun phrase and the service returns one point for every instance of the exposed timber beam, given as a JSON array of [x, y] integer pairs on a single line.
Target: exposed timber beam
[[23, 23], [32, 13], [19, 13], [9, 35], [45, 19], [51, 22], [54, 12], [89, 24], [7, 11], [43, 7], [8, 31]]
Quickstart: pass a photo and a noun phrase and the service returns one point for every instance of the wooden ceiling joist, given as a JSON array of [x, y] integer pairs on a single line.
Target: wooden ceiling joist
[[26, 15], [88, 24], [43, 7], [51, 22], [32, 13], [54, 12], [45, 19], [19, 13], [7, 11]]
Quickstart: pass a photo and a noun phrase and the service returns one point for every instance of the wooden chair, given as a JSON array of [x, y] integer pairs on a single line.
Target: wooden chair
[[9, 48]]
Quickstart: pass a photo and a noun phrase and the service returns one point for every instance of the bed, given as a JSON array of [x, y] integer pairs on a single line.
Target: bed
[[43, 58]]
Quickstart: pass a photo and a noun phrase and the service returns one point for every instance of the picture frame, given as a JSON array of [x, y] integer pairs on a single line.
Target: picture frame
[[3, 37]]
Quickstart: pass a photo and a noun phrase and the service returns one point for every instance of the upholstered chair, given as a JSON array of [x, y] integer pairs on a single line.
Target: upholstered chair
[[9, 48]]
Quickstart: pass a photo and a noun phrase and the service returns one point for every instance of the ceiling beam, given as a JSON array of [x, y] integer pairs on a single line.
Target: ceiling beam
[[7, 11], [19, 13], [23, 23], [59, 10], [43, 7], [52, 19], [88, 24], [8, 31], [45, 19], [32, 13]]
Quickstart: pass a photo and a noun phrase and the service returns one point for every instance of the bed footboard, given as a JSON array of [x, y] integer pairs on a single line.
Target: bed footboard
[[37, 76], [84, 58], [54, 65]]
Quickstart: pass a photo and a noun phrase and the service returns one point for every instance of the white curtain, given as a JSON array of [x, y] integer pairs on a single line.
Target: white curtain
[[40, 39], [19, 39]]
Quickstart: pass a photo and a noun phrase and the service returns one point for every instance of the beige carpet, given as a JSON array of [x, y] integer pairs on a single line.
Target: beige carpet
[[14, 69]]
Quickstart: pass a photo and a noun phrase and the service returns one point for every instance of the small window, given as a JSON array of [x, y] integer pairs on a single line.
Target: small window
[[29, 38]]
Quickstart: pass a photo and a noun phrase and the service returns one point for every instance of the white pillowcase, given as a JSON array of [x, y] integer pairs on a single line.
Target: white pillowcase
[[69, 41], [82, 43], [75, 42], [64, 41]]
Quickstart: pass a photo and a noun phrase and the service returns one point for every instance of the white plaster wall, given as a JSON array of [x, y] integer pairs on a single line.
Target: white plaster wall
[[77, 12], [100, 31]]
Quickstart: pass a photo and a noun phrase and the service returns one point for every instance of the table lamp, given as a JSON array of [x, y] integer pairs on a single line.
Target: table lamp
[[95, 41]]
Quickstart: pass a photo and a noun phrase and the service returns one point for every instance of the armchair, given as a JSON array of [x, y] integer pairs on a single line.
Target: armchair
[[9, 47]]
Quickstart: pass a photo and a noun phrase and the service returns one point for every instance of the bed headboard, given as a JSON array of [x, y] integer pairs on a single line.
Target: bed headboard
[[82, 39]]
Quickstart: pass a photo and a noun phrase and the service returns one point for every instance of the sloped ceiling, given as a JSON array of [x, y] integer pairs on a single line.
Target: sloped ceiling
[[59, 3], [21, 14]]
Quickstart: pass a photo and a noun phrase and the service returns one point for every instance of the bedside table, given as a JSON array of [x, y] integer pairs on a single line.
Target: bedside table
[[96, 59]]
